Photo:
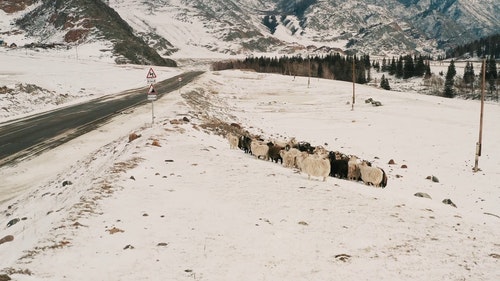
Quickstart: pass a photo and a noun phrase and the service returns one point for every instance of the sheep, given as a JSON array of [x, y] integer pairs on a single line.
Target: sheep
[[259, 149], [338, 168], [274, 152], [313, 165], [289, 157], [244, 143], [321, 151], [372, 175], [304, 147], [353, 172], [233, 140]]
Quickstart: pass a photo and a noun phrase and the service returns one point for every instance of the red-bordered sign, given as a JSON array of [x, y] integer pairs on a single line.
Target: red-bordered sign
[[151, 74], [152, 90]]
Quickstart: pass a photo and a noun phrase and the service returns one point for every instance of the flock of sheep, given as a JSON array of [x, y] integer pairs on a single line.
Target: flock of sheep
[[314, 161]]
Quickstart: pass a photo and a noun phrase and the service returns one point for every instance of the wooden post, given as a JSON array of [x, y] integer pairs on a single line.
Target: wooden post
[[309, 79], [480, 141], [353, 82]]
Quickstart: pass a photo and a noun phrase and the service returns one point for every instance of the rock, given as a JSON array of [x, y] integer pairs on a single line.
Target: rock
[[449, 202], [65, 183], [12, 222], [423, 195], [162, 244], [185, 119], [404, 167], [4, 277], [133, 136], [391, 162], [156, 143], [343, 257], [303, 223], [128, 247], [115, 230], [7, 238], [370, 100], [432, 178]]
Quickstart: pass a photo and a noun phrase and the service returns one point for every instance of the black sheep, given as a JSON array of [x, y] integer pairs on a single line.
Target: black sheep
[[274, 152], [244, 143], [338, 168]]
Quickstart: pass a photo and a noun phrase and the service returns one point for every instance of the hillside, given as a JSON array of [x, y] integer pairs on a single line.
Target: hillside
[[188, 207], [151, 31]]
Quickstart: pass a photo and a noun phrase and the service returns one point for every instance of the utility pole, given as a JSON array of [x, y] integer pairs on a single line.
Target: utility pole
[[480, 141], [309, 79], [353, 81]]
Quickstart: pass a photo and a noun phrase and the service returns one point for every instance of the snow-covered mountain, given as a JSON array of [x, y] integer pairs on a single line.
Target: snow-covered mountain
[[242, 27]]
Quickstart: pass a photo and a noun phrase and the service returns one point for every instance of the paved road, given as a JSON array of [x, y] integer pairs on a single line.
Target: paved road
[[29, 136]]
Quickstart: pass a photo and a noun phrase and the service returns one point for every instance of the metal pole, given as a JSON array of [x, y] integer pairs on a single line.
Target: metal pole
[[480, 141], [152, 113]]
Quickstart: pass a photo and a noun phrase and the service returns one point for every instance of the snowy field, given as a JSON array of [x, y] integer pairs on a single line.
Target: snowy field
[[102, 208]]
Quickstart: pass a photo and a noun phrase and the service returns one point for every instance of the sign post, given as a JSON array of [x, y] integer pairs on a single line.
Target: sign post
[[152, 95]]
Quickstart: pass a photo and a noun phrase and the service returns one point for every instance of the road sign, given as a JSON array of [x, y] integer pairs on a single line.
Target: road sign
[[151, 77], [151, 74], [152, 95]]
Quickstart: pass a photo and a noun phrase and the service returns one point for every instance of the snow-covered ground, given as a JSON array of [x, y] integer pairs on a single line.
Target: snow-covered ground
[[102, 208]]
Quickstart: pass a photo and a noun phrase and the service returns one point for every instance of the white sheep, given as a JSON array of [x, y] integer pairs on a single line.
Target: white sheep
[[372, 175], [233, 141], [353, 172], [289, 157], [290, 143], [321, 151], [313, 165], [259, 148]]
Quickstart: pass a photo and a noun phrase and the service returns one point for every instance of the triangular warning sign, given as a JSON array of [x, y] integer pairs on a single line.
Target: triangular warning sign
[[152, 90], [151, 74]]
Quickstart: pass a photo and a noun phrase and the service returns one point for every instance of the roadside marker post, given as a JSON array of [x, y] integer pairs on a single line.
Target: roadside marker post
[[152, 96]]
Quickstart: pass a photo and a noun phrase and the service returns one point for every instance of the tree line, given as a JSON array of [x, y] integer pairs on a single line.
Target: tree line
[[340, 67], [471, 81], [332, 66], [482, 48]]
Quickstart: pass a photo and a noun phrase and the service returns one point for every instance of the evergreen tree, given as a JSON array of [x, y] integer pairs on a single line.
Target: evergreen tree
[[392, 67], [449, 81], [399, 68], [469, 74], [384, 83], [428, 73], [491, 74], [420, 67], [408, 67]]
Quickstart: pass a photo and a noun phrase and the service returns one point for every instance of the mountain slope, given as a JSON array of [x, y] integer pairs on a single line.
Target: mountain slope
[[139, 29], [80, 20]]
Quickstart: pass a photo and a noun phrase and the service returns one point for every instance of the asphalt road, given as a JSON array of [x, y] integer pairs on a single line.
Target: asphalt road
[[29, 136]]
